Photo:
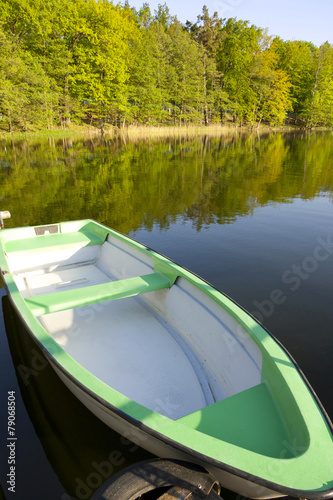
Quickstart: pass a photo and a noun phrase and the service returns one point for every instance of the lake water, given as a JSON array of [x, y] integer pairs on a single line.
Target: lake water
[[252, 215]]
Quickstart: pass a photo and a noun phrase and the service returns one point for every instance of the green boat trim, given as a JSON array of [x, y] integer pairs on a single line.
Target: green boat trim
[[304, 467]]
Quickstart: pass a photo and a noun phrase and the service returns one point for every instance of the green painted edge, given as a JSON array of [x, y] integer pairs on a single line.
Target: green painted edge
[[311, 470]]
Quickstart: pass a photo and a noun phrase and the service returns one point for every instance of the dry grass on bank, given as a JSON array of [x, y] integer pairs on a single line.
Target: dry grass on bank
[[142, 132], [156, 132]]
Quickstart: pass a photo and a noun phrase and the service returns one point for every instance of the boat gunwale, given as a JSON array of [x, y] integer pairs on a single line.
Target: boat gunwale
[[309, 494]]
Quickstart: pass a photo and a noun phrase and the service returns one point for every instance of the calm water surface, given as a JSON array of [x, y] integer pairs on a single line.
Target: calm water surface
[[253, 216]]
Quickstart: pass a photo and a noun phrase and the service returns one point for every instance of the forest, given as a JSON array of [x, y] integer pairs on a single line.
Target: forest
[[91, 62]]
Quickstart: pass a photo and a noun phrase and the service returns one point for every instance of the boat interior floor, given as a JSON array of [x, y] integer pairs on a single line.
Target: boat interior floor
[[124, 343]]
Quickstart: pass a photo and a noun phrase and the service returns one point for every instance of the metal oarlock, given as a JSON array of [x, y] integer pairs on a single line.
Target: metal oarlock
[[4, 215]]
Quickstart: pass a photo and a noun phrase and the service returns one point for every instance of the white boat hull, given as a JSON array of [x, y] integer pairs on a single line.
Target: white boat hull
[[159, 447]]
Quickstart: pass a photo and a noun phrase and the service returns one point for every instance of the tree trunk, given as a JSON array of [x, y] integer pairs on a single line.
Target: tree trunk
[[10, 127], [206, 120], [67, 110]]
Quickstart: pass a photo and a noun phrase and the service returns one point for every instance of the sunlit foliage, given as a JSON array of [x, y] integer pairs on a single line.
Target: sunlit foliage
[[94, 62]]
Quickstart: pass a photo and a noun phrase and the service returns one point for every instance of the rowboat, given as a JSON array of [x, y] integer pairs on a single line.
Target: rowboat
[[168, 361]]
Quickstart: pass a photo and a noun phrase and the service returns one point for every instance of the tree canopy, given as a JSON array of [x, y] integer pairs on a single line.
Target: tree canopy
[[91, 61]]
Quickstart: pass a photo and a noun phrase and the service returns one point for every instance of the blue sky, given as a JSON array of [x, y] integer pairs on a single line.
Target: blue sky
[[310, 20]]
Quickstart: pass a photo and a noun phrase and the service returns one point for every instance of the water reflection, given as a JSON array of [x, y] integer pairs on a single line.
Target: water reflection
[[131, 185]]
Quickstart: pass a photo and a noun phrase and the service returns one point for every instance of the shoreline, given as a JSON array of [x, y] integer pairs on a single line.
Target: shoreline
[[157, 131]]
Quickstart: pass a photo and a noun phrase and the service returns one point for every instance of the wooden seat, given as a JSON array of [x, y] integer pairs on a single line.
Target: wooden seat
[[70, 299], [47, 242]]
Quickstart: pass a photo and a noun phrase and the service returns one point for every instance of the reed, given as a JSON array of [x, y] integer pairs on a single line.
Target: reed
[[155, 132], [142, 132]]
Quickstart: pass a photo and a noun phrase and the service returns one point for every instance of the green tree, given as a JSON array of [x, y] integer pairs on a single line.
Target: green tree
[[100, 71], [236, 62], [271, 88], [318, 108], [185, 80], [256, 87], [36, 29], [207, 32], [25, 95], [296, 58], [148, 75]]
